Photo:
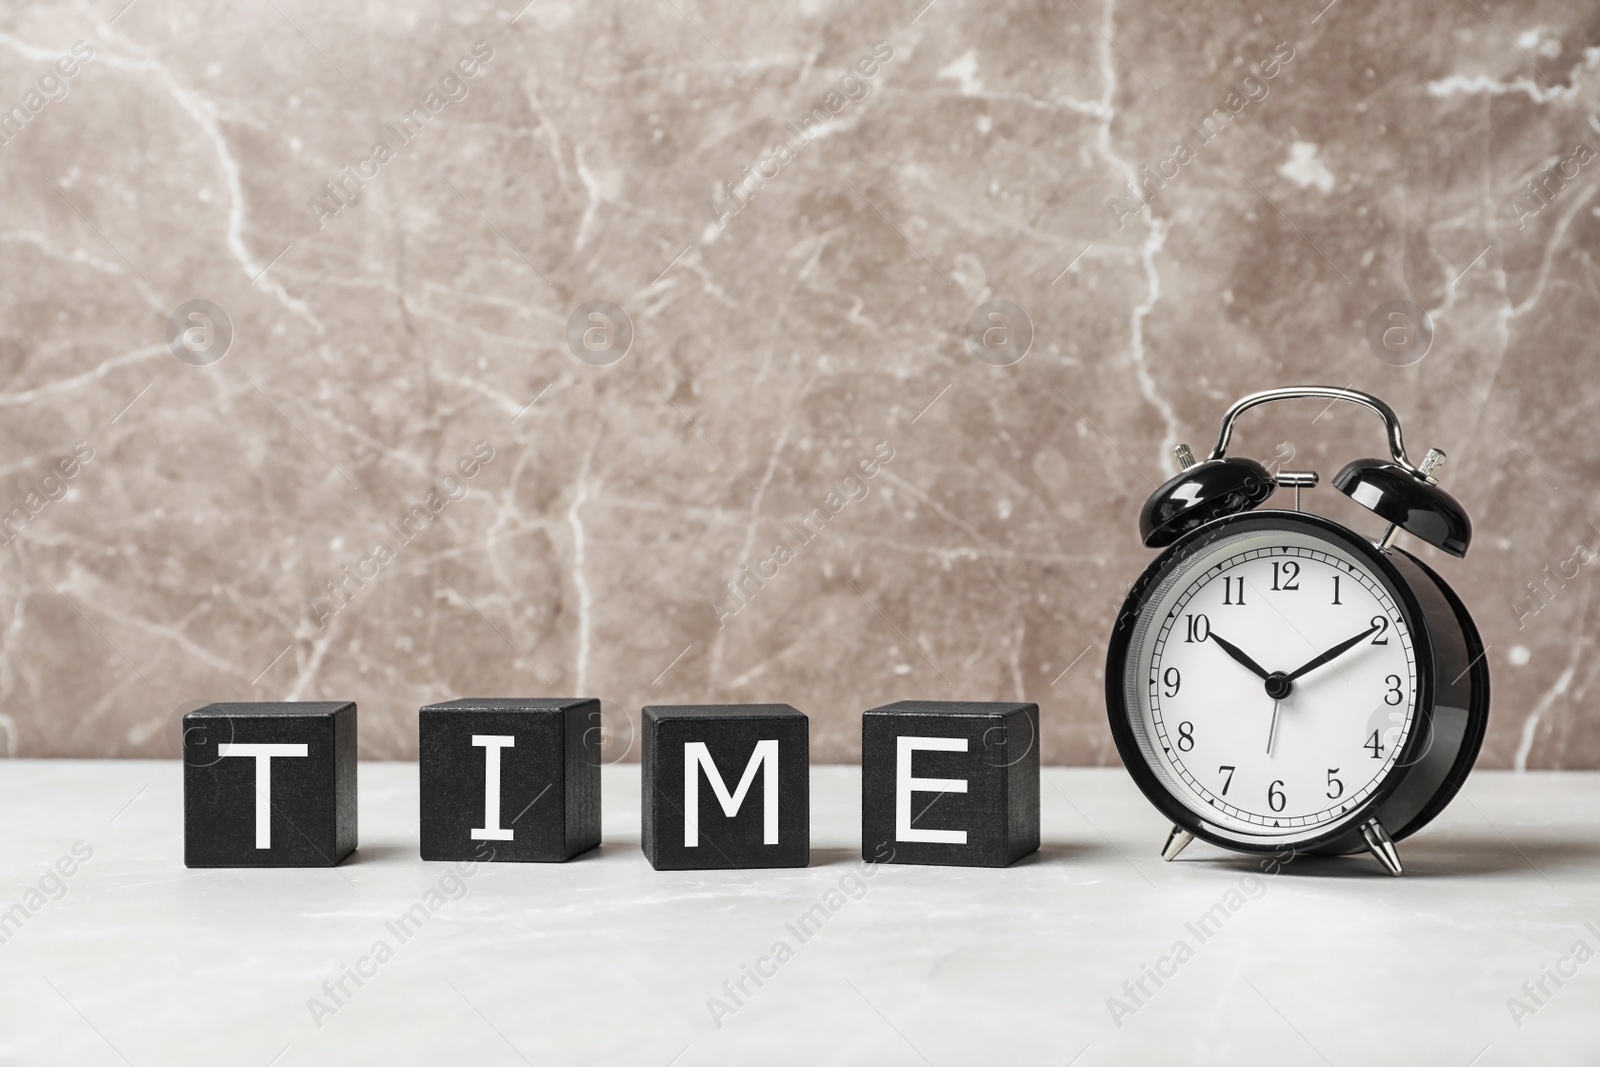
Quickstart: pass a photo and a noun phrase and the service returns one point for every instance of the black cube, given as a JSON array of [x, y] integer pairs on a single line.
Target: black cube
[[269, 784], [950, 783], [509, 780], [726, 786]]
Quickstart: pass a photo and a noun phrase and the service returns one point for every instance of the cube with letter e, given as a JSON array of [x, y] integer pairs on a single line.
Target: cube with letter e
[[726, 786], [950, 783], [511, 780], [269, 784]]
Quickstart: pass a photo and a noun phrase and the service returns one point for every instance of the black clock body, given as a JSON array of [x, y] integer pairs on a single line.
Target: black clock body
[[1452, 688]]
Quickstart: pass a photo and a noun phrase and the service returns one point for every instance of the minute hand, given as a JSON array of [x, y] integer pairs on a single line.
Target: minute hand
[[1333, 653]]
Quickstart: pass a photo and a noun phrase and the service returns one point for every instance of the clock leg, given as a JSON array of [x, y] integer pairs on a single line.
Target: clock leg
[[1177, 841], [1382, 847]]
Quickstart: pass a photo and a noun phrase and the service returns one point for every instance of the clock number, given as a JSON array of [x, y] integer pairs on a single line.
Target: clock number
[[1172, 680], [1394, 690], [1227, 590], [1229, 780], [1275, 798], [1199, 628], [1335, 786], [1382, 623], [1336, 599], [1185, 736], [1290, 576], [1374, 746]]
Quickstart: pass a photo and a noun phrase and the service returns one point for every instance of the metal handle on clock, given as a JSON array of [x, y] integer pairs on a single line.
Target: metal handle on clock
[[1391, 421]]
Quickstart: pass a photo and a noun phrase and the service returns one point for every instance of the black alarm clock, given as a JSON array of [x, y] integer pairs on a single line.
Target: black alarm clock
[[1276, 680]]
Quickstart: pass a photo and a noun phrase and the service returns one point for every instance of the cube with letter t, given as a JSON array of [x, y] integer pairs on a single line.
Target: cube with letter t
[[509, 779], [950, 783], [726, 786], [269, 784]]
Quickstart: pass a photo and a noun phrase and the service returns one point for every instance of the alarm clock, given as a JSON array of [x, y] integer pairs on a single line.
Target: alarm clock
[[1276, 680]]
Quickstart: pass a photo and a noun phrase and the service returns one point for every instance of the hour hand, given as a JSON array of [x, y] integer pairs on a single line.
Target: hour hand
[[1239, 654]]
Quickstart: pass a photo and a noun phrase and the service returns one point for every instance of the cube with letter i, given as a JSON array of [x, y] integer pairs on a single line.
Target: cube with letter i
[[511, 780], [269, 784], [950, 783], [726, 786]]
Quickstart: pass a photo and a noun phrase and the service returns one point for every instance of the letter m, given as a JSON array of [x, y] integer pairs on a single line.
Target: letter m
[[12, 121], [1218, 914], [13, 522], [411, 921], [11, 922], [415, 114], [696, 755]]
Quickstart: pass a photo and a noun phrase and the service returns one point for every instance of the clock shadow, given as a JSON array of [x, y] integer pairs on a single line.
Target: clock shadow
[[1452, 856], [1460, 855], [1357, 865]]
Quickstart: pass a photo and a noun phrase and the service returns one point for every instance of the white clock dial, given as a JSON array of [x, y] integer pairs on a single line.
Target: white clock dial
[[1272, 684]]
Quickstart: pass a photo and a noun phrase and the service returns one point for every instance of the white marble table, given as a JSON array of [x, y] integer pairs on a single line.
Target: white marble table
[[603, 960]]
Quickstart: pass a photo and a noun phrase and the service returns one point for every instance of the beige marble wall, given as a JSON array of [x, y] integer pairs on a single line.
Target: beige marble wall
[[376, 347]]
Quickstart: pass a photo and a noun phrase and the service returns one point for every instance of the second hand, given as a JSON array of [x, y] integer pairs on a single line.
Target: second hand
[[1273, 731]]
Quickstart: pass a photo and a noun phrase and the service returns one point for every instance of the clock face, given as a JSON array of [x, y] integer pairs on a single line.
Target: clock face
[[1271, 683]]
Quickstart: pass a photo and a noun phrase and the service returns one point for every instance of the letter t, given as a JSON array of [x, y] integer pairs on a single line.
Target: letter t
[[263, 756]]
